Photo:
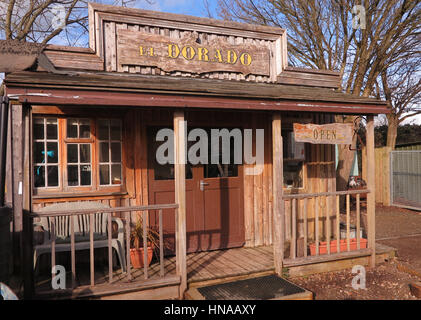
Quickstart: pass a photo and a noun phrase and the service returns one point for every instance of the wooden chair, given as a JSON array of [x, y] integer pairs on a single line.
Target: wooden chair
[[81, 230]]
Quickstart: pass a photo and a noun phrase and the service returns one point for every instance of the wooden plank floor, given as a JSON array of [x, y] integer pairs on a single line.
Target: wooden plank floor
[[201, 266], [217, 264]]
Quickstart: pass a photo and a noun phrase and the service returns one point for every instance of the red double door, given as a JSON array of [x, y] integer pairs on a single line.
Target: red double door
[[214, 197]]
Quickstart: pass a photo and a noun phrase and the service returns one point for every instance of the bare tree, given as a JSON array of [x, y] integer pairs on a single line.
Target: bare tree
[[361, 39], [208, 10], [42, 20], [402, 88]]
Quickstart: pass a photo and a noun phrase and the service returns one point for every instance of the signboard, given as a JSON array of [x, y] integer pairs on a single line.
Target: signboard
[[333, 133], [191, 54]]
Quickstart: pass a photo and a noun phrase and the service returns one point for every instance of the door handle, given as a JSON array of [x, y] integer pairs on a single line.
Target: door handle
[[202, 185]]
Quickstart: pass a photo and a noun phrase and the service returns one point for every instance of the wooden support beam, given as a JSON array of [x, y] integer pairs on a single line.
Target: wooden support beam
[[371, 206], [278, 202], [17, 182], [180, 197], [27, 223]]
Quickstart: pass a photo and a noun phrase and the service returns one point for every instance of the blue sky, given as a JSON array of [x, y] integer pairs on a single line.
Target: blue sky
[[189, 7]]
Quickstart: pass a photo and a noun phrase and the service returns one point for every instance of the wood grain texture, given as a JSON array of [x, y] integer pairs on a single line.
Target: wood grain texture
[[333, 133], [278, 203], [185, 54], [180, 197], [208, 87], [371, 173]]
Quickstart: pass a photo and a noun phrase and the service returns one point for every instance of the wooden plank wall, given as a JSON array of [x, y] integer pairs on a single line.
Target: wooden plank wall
[[319, 172], [319, 176], [382, 178], [111, 59]]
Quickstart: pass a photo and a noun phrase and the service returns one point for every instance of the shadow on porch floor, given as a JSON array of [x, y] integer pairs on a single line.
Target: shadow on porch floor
[[202, 268]]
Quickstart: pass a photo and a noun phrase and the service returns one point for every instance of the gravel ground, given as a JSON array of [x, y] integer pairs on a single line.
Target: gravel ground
[[396, 222], [386, 281]]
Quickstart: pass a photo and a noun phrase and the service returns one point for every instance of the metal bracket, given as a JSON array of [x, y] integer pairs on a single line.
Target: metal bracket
[[356, 133]]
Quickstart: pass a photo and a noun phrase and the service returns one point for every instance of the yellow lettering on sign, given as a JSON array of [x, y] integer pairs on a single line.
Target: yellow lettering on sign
[[218, 56], [150, 51], [188, 52], [173, 51], [203, 54], [245, 59], [232, 57]]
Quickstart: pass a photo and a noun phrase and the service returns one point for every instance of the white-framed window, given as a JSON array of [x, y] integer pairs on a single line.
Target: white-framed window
[[77, 154]]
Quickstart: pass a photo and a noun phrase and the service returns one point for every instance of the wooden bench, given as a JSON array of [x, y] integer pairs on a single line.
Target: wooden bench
[[81, 230]]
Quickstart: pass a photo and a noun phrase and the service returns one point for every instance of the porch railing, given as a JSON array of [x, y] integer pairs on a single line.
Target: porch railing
[[321, 232], [127, 212]]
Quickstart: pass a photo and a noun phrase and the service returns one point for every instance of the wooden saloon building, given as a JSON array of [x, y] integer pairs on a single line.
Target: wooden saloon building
[[81, 164]]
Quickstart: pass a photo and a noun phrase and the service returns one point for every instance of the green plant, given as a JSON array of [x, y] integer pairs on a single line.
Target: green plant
[[136, 236]]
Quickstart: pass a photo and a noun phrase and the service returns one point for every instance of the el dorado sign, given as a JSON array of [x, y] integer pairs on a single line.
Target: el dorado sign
[[333, 133], [189, 54]]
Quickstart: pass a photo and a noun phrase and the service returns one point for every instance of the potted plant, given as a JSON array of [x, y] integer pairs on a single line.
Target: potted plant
[[136, 244]]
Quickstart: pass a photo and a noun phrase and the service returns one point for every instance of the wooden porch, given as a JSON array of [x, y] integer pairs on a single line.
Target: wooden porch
[[202, 268]]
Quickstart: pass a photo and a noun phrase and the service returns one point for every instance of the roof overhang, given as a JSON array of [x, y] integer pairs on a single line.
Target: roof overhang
[[18, 55], [147, 91]]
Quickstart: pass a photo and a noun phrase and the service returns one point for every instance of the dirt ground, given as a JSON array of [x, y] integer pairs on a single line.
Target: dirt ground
[[385, 282], [399, 228], [396, 222]]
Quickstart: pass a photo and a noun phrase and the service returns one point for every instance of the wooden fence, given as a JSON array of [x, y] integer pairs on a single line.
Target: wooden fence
[[90, 213], [382, 177], [326, 242]]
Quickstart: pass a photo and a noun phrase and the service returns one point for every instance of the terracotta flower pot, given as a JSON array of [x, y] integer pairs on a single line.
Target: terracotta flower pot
[[342, 244], [136, 257]]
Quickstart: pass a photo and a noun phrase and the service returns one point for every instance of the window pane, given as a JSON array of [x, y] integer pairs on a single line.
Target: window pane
[[116, 174], [39, 152], [39, 176], [72, 175], [72, 156], [104, 174], [293, 174], [116, 152], [115, 130], [85, 175], [220, 170], [103, 129], [85, 153], [84, 129], [38, 128], [51, 128], [104, 152], [52, 176], [52, 152], [71, 128]]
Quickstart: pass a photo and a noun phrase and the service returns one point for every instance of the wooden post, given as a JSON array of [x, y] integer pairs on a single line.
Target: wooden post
[[386, 176], [27, 223], [278, 203], [371, 206], [180, 197], [17, 127]]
